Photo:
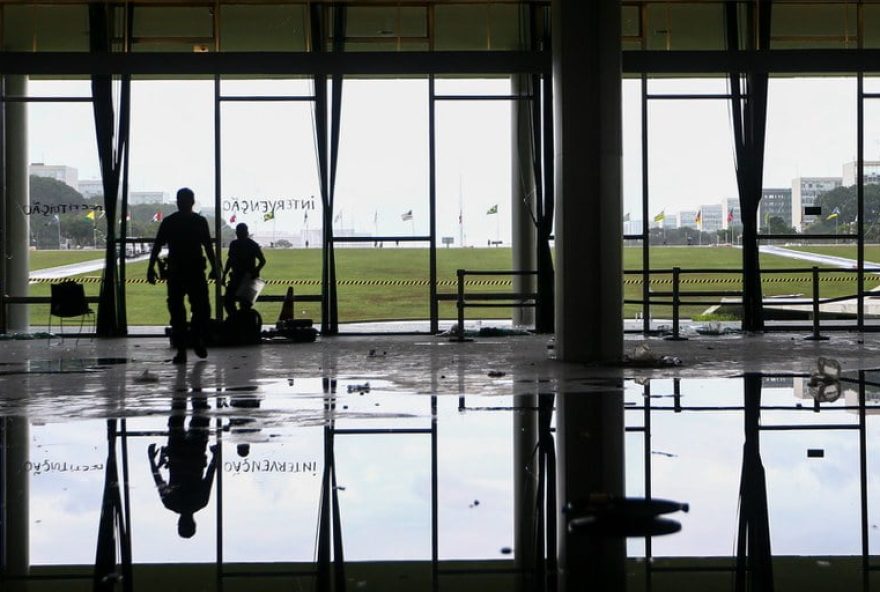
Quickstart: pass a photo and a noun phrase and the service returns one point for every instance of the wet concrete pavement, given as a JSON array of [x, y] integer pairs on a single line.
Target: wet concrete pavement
[[103, 377]]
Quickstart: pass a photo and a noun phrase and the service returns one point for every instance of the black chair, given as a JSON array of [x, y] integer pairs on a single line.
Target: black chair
[[68, 300]]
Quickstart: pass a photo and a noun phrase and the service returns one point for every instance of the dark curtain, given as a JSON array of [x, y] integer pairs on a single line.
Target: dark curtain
[[748, 97], [111, 130], [754, 559], [327, 145], [112, 528], [542, 119]]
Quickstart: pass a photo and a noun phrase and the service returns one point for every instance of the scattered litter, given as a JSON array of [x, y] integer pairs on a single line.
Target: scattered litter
[[823, 563], [506, 550], [815, 453], [642, 353], [359, 388], [827, 368], [476, 502], [146, 378], [824, 385], [643, 357], [27, 336], [454, 331], [494, 373], [716, 329]]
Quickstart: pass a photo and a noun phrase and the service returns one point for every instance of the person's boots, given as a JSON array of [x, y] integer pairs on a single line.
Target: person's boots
[[200, 349], [180, 358]]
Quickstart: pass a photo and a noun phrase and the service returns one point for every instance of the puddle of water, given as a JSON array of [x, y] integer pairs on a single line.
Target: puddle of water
[[261, 465]]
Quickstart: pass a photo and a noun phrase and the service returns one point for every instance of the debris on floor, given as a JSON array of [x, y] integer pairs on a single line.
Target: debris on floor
[[643, 357], [146, 377]]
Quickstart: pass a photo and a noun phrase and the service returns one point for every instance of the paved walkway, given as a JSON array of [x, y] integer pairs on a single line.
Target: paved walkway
[[819, 258], [63, 271]]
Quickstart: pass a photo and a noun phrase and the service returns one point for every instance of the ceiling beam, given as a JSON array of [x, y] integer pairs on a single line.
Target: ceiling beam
[[779, 61], [274, 63]]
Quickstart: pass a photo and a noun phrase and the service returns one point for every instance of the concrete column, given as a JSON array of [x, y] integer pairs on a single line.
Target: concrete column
[[587, 128], [17, 482], [590, 447], [524, 235], [17, 231]]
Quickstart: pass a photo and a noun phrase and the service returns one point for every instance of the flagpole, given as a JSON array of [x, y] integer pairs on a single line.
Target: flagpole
[[460, 213]]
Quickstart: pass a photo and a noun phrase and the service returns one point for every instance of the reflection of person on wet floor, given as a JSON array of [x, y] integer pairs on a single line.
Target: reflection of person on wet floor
[[187, 490], [186, 234], [245, 259]]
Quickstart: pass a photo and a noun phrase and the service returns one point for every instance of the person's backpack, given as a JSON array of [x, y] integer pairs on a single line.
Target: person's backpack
[[243, 327]]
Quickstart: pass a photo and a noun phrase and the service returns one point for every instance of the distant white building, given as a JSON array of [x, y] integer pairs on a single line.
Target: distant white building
[[146, 197], [804, 192], [730, 210], [775, 203], [632, 227], [670, 221], [67, 175], [687, 219], [851, 173], [95, 188], [91, 187], [712, 217]]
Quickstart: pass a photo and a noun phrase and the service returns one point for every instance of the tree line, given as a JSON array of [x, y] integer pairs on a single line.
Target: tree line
[[76, 229]]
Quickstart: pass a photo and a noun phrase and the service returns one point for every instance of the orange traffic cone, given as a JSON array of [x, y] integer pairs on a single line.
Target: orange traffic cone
[[287, 307]]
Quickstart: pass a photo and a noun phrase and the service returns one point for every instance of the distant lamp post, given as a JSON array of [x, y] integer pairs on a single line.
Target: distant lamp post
[[58, 220]]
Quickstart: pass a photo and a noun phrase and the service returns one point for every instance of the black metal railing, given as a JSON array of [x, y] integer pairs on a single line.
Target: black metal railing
[[678, 297]]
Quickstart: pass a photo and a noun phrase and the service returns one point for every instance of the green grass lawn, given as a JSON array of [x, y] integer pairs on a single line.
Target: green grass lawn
[[358, 300], [302, 269], [44, 259]]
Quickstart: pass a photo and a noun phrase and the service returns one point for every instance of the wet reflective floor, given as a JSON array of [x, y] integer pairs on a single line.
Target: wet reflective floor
[[425, 465]]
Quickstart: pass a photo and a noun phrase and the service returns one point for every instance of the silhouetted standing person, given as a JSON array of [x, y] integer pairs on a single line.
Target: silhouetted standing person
[[187, 490], [186, 234], [245, 260]]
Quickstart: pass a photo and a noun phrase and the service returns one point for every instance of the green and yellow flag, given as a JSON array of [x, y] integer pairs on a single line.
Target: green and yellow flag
[[660, 217]]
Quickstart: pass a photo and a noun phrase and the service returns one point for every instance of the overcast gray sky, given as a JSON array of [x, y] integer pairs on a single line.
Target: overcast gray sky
[[268, 148]]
